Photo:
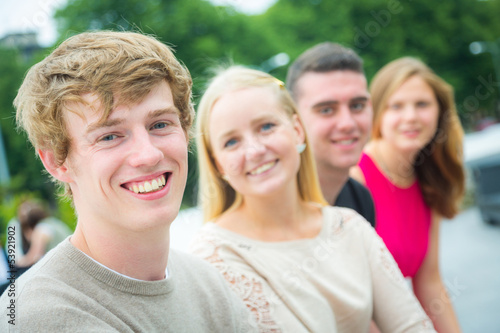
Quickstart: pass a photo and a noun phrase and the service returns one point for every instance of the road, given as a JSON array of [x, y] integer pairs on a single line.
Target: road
[[470, 265]]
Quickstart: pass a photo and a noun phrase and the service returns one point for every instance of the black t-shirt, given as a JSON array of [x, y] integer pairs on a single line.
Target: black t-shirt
[[356, 196]]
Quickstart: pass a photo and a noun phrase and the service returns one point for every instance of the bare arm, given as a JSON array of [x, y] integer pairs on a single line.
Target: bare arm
[[429, 287]]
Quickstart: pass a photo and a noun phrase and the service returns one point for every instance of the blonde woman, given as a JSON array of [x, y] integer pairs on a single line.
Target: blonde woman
[[299, 264], [413, 168]]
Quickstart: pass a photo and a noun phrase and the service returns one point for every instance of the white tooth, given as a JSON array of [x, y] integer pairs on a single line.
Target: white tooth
[[148, 187], [262, 168], [346, 142], [154, 184], [163, 180], [130, 189], [135, 189], [141, 189]]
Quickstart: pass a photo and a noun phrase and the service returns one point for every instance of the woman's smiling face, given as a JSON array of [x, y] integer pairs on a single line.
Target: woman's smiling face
[[411, 118], [254, 141]]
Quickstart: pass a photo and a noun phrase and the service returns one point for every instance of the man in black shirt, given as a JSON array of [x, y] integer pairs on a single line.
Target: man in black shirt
[[329, 86]]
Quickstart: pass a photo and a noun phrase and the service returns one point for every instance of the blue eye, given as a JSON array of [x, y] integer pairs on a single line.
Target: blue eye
[[159, 125], [395, 106], [357, 106], [267, 126], [230, 143], [422, 104], [108, 137], [327, 110]]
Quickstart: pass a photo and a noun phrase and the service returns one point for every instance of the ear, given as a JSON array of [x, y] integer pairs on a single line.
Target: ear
[[59, 172], [299, 129]]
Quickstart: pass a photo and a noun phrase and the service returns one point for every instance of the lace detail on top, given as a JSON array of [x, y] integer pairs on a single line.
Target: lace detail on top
[[250, 290], [389, 265]]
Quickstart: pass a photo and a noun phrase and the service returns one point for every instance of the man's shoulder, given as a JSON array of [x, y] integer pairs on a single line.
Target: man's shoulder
[[42, 294], [353, 192], [194, 270], [196, 276], [357, 187], [47, 278], [202, 286], [356, 196]]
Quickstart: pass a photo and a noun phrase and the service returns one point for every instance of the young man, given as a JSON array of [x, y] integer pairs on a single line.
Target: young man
[[109, 114], [330, 89]]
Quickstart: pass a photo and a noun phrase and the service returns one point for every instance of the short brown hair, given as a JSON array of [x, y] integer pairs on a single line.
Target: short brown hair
[[323, 58], [104, 63]]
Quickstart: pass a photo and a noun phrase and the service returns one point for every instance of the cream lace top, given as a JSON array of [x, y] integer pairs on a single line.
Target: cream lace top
[[335, 282]]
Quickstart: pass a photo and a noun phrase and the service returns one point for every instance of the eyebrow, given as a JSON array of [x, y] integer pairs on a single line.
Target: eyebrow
[[330, 102], [114, 122]]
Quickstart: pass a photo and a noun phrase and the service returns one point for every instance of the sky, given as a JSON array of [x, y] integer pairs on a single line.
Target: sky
[[36, 15]]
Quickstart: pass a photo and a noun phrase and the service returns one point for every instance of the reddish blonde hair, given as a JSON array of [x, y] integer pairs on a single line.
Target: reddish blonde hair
[[438, 166]]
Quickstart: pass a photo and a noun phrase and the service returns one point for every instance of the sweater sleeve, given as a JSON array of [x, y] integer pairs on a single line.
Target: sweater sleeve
[[247, 285], [395, 307]]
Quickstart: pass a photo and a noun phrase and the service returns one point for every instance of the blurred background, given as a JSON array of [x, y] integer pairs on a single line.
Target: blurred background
[[459, 39]]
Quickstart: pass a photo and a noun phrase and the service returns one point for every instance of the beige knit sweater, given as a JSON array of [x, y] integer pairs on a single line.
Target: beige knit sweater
[[69, 292]]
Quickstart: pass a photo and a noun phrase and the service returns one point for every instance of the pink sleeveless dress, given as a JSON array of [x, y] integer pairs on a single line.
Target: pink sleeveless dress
[[402, 218]]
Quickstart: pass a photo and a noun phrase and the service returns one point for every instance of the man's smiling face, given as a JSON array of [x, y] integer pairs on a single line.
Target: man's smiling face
[[336, 109], [128, 172]]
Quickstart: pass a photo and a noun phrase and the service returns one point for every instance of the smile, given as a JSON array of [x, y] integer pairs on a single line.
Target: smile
[[148, 186], [263, 168], [345, 142]]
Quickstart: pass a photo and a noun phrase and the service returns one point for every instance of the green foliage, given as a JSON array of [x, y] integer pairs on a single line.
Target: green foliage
[[198, 31], [24, 167], [202, 35], [439, 33], [66, 212]]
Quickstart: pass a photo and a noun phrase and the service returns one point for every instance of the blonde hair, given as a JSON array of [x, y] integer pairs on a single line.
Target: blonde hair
[[438, 166], [106, 63], [215, 194]]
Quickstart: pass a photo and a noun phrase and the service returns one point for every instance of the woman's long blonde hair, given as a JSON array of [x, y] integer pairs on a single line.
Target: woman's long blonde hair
[[439, 165], [215, 194]]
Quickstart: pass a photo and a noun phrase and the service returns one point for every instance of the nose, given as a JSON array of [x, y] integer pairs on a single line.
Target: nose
[[410, 112], [144, 151], [345, 120], [254, 148]]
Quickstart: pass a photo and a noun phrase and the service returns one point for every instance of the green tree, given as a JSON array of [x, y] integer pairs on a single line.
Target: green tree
[[202, 35], [380, 31], [24, 167]]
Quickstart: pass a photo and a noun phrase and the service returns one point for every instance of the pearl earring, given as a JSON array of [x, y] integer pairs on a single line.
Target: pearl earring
[[301, 147]]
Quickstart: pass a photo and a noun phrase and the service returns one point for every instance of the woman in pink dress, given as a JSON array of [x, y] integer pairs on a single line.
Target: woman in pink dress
[[413, 168]]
